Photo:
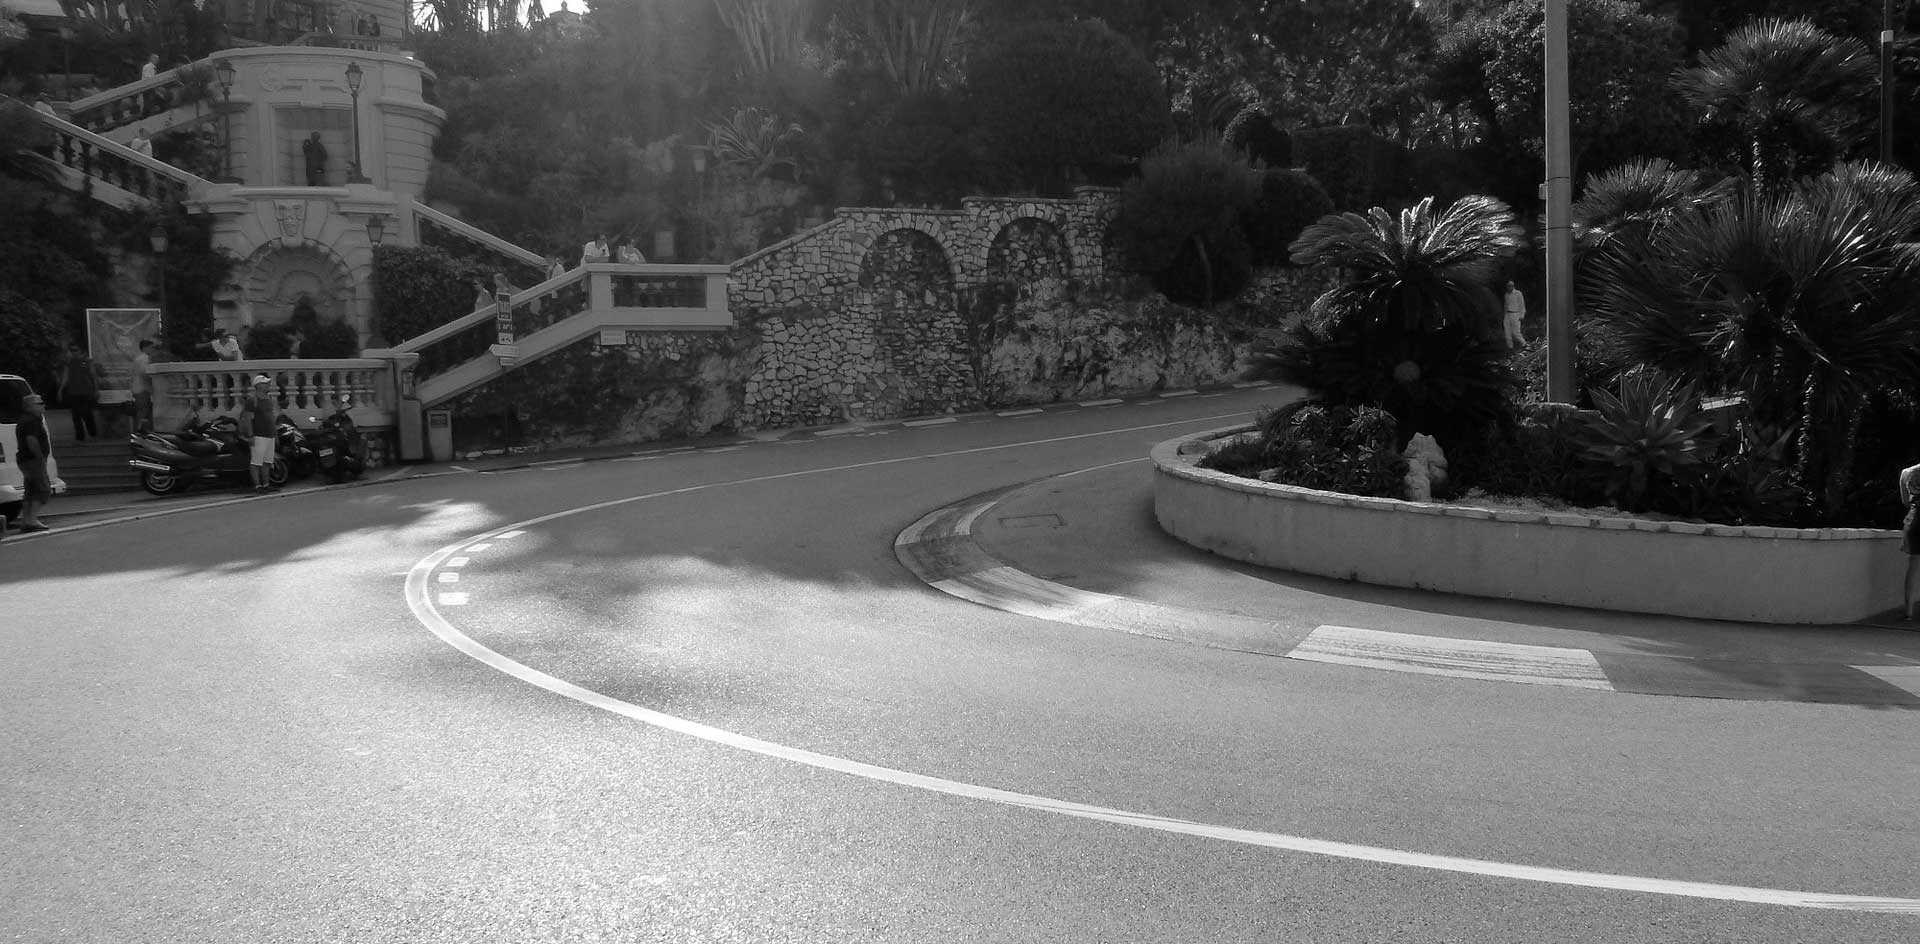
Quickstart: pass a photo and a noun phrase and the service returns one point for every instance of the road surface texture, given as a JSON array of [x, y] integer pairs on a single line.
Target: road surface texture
[[695, 697]]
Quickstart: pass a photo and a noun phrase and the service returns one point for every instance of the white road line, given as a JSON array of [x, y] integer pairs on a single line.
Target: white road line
[[1012, 413], [1458, 658], [839, 431], [423, 610], [942, 421], [452, 599], [724, 449], [636, 458], [1899, 676], [1211, 396], [1251, 385], [1100, 402], [458, 562], [459, 468], [536, 465], [1177, 393], [477, 548], [448, 576], [507, 535]]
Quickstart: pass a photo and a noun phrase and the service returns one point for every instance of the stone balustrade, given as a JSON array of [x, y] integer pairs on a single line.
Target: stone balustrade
[[306, 389], [109, 162], [135, 101]]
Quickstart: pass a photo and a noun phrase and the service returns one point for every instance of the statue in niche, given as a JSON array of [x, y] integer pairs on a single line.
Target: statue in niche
[[316, 155]]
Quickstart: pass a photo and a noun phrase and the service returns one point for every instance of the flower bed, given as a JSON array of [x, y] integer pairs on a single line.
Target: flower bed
[[1747, 573]]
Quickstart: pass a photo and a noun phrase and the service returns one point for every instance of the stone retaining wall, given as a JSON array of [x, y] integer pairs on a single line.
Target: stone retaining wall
[[1751, 574]]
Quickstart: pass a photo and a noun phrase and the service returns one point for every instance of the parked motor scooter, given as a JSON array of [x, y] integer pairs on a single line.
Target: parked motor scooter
[[172, 462], [291, 442], [336, 444]]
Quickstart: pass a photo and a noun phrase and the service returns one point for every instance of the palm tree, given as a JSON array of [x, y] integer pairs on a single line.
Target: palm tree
[[1806, 301], [1796, 97], [1408, 329], [1633, 200]]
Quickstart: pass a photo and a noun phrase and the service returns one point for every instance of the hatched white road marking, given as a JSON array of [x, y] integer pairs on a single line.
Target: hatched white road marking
[[451, 576], [477, 548], [423, 610], [1460, 658], [507, 535], [1900, 676]]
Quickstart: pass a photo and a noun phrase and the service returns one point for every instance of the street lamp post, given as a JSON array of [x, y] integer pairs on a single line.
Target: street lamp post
[[1560, 361], [225, 73], [66, 50], [700, 193], [157, 238], [354, 77], [1886, 81]]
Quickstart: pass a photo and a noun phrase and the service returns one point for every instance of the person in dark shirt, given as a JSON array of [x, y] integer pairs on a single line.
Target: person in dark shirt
[[259, 420], [80, 390], [33, 446]]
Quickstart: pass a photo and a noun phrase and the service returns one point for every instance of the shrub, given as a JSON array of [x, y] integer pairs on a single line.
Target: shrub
[[1289, 200], [1341, 449], [1056, 101], [1644, 438], [31, 341], [272, 342], [416, 290], [921, 146], [1179, 221], [1357, 167], [333, 338]]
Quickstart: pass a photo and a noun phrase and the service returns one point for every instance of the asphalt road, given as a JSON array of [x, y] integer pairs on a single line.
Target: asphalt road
[[253, 723]]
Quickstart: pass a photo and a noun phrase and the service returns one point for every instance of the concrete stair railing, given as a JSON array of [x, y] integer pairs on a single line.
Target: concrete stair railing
[[114, 173], [603, 297], [518, 263], [117, 112]]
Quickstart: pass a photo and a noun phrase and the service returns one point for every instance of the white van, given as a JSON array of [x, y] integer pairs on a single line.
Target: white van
[[13, 485]]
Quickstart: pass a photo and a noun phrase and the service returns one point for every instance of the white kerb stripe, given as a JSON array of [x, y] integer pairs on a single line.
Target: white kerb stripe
[[1900, 676], [1459, 658]]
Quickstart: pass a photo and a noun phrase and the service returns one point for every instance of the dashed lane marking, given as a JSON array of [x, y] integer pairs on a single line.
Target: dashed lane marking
[[458, 562], [942, 421], [1093, 403], [452, 576], [453, 599], [477, 548], [1177, 393], [1013, 413]]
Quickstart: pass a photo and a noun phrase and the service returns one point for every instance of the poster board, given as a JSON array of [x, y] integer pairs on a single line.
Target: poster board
[[113, 340]]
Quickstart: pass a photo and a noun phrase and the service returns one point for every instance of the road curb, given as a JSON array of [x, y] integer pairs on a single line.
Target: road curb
[[940, 550]]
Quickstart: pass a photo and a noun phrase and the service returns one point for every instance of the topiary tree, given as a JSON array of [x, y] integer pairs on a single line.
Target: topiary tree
[[1289, 201], [920, 145], [1062, 101], [1179, 221]]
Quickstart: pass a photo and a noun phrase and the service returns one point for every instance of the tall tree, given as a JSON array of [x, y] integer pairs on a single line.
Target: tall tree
[[1794, 97]]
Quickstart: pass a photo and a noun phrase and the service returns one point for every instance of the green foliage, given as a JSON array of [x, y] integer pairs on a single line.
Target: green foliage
[[31, 340], [1346, 449], [331, 338], [1180, 220], [416, 290], [1790, 97], [1060, 102], [1635, 199], [1806, 301], [1356, 167], [48, 254], [193, 268], [272, 342], [1289, 201], [920, 146], [1537, 454], [1645, 437]]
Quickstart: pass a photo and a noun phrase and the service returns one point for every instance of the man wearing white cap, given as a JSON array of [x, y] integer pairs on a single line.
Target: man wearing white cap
[[259, 418]]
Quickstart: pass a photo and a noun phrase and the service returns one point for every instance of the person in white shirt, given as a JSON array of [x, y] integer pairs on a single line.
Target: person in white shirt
[[141, 381], [1516, 310], [141, 143], [555, 268], [629, 253], [44, 107], [227, 347], [595, 251], [151, 67]]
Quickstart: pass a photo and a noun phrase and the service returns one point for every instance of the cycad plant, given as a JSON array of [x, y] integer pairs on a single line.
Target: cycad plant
[[1805, 301], [1410, 328]]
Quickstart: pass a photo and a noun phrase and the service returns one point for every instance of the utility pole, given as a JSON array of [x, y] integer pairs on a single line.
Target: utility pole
[[1560, 379], [1886, 80]]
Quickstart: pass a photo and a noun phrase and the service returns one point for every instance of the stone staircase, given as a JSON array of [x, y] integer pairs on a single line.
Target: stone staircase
[[97, 465]]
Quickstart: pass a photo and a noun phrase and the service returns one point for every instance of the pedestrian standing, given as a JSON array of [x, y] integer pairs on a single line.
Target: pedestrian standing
[[32, 446], [316, 158], [1516, 312], [296, 339], [79, 389], [1910, 531], [141, 144], [258, 418], [629, 253], [555, 268], [226, 347], [482, 295], [141, 382], [151, 67], [596, 251]]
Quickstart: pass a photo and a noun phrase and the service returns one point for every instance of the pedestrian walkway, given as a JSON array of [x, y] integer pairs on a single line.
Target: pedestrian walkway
[[1084, 549]]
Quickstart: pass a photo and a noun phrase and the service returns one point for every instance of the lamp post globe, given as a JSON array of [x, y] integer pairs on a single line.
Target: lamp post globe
[[224, 71]]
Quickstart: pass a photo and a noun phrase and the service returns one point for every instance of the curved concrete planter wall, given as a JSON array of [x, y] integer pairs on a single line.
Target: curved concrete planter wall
[[1773, 575]]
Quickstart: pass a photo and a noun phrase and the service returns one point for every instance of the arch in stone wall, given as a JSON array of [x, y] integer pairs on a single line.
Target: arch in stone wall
[[884, 234], [1027, 249], [910, 262]]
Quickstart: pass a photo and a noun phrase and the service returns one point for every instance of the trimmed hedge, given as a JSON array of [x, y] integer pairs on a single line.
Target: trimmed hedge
[[416, 290]]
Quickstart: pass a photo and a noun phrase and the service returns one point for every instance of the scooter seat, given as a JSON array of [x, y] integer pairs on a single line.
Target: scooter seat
[[199, 447]]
